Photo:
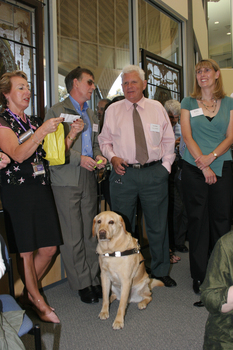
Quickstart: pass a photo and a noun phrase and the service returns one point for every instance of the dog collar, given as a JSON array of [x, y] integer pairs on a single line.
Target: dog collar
[[125, 253]]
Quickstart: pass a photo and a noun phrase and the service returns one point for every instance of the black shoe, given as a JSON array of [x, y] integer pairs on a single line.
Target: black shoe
[[198, 304], [98, 291], [87, 295], [181, 248], [167, 280], [196, 285]]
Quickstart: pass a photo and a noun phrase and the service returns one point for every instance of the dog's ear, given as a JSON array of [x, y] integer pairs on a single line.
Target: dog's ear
[[122, 223], [93, 226]]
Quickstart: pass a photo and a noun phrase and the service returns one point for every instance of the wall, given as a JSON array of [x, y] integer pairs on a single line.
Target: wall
[[227, 76], [180, 7], [200, 27]]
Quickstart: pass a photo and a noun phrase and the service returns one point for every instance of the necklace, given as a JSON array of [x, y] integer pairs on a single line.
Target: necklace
[[214, 105]]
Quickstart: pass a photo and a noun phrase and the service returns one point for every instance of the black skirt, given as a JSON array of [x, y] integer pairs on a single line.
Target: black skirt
[[31, 218]]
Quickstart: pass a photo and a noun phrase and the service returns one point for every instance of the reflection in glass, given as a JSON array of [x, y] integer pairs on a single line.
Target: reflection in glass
[[16, 50], [163, 81], [158, 33], [219, 32], [95, 36]]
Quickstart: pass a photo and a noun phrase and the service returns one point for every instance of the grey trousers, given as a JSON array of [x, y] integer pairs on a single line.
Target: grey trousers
[[77, 206]]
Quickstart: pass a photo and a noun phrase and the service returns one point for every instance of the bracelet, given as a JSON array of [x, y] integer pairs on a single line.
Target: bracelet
[[70, 138], [34, 141], [205, 169], [215, 154], [38, 139]]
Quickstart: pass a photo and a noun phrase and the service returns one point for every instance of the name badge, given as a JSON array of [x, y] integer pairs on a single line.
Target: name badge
[[95, 127], [155, 127], [196, 112], [69, 118], [38, 168]]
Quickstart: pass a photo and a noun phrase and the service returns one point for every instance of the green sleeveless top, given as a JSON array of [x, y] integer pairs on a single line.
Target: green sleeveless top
[[209, 134]]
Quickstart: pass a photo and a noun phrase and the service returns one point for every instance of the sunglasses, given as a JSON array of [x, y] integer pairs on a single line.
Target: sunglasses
[[90, 82]]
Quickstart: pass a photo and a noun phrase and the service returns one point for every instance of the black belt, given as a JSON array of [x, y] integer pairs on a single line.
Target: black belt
[[139, 166]]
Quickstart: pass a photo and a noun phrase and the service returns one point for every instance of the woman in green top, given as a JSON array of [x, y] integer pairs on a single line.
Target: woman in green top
[[207, 129]]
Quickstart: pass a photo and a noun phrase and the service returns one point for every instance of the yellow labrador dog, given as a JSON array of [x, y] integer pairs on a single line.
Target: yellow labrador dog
[[122, 267]]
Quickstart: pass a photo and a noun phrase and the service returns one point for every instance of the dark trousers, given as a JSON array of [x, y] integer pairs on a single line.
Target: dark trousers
[[177, 217], [151, 186], [209, 214]]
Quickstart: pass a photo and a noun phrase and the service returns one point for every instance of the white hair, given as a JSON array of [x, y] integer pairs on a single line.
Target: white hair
[[172, 107], [133, 68]]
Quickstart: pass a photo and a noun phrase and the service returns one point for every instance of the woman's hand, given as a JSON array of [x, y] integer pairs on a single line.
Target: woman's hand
[[50, 125], [210, 177], [204, 160], [4, 160]]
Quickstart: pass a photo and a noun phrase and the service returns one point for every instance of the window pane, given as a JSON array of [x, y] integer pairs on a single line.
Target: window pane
[[158, 33], [106, 22], [103, 43], [16, 50], [220, 32], [88, 20]]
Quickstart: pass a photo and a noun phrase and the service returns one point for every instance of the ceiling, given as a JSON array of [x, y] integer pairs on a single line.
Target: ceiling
[[219, 11]]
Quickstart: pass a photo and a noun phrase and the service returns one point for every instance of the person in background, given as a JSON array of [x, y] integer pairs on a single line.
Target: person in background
[[217, 295], [101, 107], [30, 214], [207, 129], [177, 219], [75, 188], [137, 138]]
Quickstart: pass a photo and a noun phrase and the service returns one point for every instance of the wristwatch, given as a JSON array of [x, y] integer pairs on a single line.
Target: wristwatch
[[215, 154]]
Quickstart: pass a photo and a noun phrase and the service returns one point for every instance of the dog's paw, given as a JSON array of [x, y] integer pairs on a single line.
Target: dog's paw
[[118, 325], [142, 305], [104, 315]]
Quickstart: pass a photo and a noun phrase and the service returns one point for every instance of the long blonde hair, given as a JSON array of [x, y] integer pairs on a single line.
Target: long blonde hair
[[218, 90]]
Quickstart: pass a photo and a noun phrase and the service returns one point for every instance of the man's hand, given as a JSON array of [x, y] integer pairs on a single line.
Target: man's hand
[[88, 163], [117, 164], [101, 164], [76, 127]]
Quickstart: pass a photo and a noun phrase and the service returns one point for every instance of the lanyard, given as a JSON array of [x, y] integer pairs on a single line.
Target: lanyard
[[18, 121]]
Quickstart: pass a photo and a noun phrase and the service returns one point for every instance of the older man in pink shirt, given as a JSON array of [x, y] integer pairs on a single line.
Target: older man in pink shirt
[[130, 179]]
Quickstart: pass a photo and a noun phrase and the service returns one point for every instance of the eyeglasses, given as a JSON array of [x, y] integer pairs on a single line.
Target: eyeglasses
[[173, 116], [91, 82], [99, 109]]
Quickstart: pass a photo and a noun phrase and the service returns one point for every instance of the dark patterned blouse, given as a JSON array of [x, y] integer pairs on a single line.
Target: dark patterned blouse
[[22, 173]]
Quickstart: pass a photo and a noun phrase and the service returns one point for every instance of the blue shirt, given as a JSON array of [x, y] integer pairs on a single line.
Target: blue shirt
[[87, 131]]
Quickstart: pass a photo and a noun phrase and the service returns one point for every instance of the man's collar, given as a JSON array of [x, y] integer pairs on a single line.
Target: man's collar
[[140, 103], [77, 105]]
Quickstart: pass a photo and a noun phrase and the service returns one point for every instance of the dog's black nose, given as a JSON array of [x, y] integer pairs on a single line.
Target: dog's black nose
[[102, 234]]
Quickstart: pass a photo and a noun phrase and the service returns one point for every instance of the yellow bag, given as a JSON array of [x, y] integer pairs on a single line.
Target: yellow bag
[[54, 146]]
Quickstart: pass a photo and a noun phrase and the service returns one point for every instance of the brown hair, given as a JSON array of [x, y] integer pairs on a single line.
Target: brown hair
[[5, 84], [76, 74], [218, 90]]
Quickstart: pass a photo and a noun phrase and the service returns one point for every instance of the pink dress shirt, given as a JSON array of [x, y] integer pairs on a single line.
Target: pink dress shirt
[[117, 136]]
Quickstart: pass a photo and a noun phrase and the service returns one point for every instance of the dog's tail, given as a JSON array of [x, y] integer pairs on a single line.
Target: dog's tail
[[155, 283]]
